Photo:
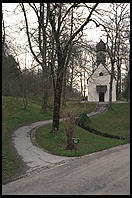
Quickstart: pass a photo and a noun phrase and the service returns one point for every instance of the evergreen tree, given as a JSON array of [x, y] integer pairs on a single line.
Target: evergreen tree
[[11, 84]]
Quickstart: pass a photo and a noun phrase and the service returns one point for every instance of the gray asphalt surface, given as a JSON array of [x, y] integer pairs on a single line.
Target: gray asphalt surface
[[31, 155], [103, 173]]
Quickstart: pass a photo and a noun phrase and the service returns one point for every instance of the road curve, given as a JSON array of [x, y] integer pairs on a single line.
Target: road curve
[[102, 173], [32, 157]]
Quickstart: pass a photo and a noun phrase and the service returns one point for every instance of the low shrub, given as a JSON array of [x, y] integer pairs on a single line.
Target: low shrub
[[83, 120]]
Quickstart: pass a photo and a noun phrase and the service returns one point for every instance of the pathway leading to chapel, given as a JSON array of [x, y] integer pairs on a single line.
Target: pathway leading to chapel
[[33, 157]]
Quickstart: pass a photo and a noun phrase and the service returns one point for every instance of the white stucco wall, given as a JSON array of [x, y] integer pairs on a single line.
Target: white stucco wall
[[93, 95]]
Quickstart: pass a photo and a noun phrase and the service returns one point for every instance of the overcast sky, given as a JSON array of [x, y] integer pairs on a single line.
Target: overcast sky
[[13, 17], [12, 21]]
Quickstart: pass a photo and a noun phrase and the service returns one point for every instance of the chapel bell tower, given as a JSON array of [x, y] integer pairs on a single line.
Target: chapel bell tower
[[101, 52]]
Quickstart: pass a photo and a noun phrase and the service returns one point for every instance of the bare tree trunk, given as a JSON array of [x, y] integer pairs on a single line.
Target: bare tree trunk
[[69, 126], [44, 66], [57, 102], [81, 84], [118, 85], [24, 91], [61, 53], [70, 144], [25, 100], [3, 33], [45, 75], [45, 91], [65, 76], [128, 85], [84, 86], [42, 16], [111, 83], [64, 88], [71, 81]]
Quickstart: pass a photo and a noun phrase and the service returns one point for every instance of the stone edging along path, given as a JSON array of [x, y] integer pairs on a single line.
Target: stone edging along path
[[31, 156], [103, 134], [100, 108]]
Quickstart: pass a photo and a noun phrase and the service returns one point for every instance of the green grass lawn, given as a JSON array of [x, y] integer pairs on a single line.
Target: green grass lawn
[[77, 108], [13, 115], [56, 143], [116, 121]]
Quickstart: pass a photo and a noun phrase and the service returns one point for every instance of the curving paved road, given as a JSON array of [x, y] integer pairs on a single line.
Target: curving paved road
[[32, 156], [105, 172], [102, 173]]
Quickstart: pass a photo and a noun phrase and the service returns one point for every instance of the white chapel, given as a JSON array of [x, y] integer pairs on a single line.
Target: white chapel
[[99, 81]]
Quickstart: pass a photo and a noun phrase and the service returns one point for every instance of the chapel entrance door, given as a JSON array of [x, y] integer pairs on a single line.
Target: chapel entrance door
[[101, 96]]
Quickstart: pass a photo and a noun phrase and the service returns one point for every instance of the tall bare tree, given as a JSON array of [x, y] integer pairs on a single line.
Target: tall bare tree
[[113, 25], [3, 33], [57, 16], [41, 12]]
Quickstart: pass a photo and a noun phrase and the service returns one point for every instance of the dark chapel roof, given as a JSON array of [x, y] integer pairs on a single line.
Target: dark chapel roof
[[100, 47]]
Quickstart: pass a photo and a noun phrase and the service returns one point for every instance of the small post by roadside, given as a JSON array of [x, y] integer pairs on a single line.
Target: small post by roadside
[[75, 142]]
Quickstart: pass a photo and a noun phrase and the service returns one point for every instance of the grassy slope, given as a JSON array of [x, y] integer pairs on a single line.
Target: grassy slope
[[56, 143], [116, 121], [78, 108], [13, 115]]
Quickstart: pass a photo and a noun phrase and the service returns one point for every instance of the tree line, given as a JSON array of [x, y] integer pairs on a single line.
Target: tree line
[[57, 45]]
